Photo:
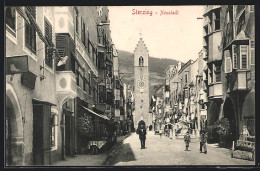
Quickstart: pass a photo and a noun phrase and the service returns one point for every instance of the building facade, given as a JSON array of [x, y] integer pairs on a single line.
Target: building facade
[[230, 48], [59, 72]]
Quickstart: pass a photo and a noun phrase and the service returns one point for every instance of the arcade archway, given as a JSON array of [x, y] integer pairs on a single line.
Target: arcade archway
[[14, 129], [229, 113]]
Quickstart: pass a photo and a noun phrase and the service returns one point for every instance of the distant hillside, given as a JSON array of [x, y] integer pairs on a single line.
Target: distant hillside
[[156, 68]]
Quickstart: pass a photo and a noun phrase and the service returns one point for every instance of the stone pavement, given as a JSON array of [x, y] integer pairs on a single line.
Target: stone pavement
[[88, 159], [165, 151]]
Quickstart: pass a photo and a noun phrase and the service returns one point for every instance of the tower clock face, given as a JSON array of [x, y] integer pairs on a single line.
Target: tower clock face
[[140, 84]]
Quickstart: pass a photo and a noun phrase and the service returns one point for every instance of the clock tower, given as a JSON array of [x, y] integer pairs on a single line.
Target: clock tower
[[141, 84]]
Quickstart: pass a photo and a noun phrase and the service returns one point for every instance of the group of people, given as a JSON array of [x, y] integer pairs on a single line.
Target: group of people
[[203, 141], [141, 130]]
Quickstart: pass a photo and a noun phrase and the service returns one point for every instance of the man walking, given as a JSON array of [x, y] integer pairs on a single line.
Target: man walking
[[141, 130]]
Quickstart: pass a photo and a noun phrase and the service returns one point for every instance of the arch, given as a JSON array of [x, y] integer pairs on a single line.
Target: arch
[[14, 124], [141, 61], [248, 113], [230, 114]]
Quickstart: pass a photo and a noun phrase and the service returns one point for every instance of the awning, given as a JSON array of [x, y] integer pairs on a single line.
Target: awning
[[42, 102], [91, 111]]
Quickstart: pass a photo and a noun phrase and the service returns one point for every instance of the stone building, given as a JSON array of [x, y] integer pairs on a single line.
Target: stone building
[[141, 83], [59, 68], [230, 47], [238, 56], [31, 104], [213, 22]]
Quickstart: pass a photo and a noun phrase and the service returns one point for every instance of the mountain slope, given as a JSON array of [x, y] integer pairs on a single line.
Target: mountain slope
[[156, 68]]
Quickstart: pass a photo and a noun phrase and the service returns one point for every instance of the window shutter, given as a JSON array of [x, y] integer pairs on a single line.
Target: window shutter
[[228, 65], [234, 56], [48, 31], [243, 56]]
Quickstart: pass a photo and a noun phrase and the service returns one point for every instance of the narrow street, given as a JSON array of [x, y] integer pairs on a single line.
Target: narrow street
[[167, 151]]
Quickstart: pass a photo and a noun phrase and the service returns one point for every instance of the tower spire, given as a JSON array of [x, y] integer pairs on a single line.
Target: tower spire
[[140, 33]]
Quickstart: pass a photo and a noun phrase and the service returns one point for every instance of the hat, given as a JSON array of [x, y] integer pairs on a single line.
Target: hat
[[187, 132]]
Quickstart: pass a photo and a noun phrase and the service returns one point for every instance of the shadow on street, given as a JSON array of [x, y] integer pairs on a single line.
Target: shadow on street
[[124, 154]]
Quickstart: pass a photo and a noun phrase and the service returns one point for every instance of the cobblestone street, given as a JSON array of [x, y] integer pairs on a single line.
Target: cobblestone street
[[167, 151]]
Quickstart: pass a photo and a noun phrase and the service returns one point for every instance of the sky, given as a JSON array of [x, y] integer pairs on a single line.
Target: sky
[[176, 36]]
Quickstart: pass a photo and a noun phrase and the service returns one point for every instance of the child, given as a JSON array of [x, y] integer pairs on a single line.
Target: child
[[187, 140]]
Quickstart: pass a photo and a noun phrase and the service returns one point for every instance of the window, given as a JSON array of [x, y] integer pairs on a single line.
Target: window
[[234, 57], [10, 20], [218, 72], [102, 94], [77, 21], [252, 8], [210, 74], [243, 57], [186, 78], [217, 20], [89, 76], [77, 77], [53, 130], [252, 52], [30, 33], [241, 22], [48, 50], [83, 36], [141, 61]]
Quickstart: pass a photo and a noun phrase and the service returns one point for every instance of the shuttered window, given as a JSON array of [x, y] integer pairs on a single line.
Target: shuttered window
[[48, 50], [243, 57], [30, 32]]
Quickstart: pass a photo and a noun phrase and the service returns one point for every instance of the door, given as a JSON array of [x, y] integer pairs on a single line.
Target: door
[[67, 135]]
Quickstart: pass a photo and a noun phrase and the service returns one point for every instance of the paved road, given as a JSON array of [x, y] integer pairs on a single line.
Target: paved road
[[167, 151]]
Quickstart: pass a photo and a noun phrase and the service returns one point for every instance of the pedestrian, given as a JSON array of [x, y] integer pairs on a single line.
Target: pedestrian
[[187, 140], [203, 141], [142, 132], [160, 132]]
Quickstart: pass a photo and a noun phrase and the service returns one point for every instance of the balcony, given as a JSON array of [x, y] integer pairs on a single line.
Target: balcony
[[215, 91], [66, 84]]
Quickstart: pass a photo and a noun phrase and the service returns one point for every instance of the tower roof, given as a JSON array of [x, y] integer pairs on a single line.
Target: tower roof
[[141, 44]]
